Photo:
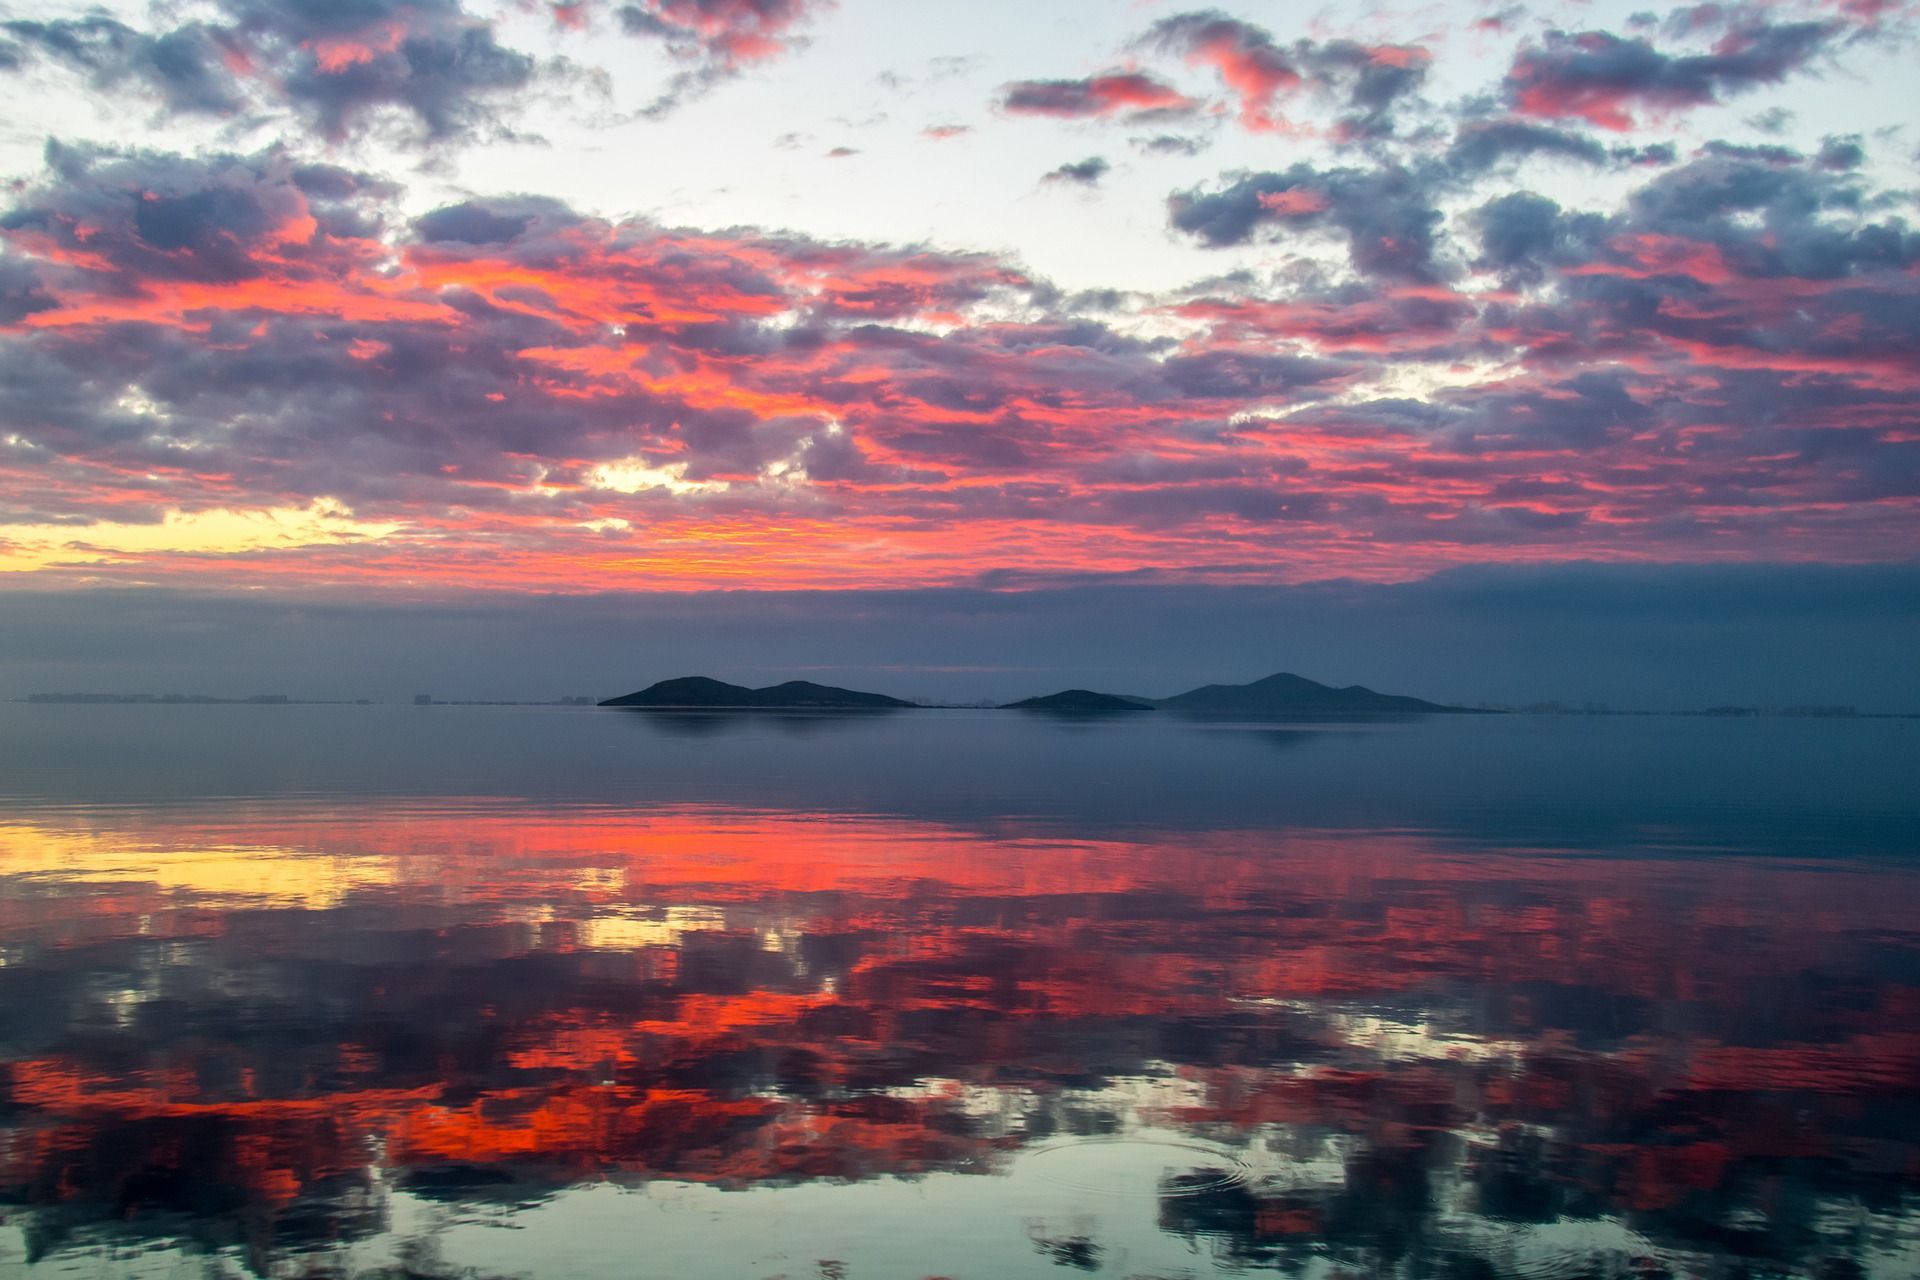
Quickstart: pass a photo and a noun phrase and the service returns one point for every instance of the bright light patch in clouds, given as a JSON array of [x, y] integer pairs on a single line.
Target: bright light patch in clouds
[[634, 475], [106, 543]]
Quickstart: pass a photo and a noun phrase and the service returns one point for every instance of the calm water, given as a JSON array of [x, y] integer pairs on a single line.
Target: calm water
[[312, 991]]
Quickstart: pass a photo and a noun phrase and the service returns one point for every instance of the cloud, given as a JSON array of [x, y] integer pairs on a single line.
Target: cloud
[[1170, 144], [1255, 69], [1842, 153], [342, 69], [21, 291], [1128, 93], [1367, 81], [1386, 214], [717, 39], [1520, 232], [472, 222], [729, 33], [426, 59], [507, 392], [1481, 145], [1085, 173], [185, 69], [1604, 79], [1370, 80]]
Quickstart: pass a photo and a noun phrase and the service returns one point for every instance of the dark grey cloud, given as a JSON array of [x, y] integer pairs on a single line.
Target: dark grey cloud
[[1171, 144], [1811, 221], [1370, 81], [1582, 411], [1842, 153], [714, 40], [1237, 374], [471, 223], [1084, 173], [1814, 217], [183, 69], [1482, 144], [1522, 232], [342, 68], [21, 291], [1652, 154], [1131, 94], [343, 64], [1604, 78], [149, 216], [1386, 213]]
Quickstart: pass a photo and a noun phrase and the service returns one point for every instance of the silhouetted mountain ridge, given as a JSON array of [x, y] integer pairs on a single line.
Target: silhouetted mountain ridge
[[799, 695], [1080, 701], [1283, 694], [1287, 693]]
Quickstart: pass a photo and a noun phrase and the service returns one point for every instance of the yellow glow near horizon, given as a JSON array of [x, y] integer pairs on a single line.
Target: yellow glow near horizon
[[221, 531]]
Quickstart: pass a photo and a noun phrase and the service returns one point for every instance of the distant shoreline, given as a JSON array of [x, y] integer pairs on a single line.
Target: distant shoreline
[[1530, 711]]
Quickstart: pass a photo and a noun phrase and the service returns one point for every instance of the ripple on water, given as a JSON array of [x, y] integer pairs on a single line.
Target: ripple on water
[[1136, 1166]]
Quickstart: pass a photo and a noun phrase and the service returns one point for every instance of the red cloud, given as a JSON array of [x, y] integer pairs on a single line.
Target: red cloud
[[1246, 58], [731, 31], [1604, 79], [1102, 95], [509, 393]]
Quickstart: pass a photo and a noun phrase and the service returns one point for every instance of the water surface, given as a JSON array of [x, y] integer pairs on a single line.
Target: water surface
[[489, 992]]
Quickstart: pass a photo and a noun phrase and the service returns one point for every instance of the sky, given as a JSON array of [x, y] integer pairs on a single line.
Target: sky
[[1262, 334]]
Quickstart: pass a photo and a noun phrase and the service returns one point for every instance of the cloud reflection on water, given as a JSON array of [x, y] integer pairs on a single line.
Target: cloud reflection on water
[[283, 1033]]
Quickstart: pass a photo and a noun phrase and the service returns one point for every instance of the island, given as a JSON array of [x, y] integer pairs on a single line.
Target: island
[[1080, 702], [1288, 694], [699, 693], [1281, 694]]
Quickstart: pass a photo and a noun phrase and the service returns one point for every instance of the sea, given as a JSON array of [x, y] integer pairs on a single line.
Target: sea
[[487, 992]]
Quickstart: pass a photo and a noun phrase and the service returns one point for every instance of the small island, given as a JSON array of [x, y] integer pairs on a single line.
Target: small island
[[1080, 702], [1283, 694], [699, 693], [1292, 695]]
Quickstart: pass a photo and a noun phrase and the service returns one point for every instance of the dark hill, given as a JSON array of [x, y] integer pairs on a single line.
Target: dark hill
[[1288, 694], [805, 693], [1081, 701], [706, 694]]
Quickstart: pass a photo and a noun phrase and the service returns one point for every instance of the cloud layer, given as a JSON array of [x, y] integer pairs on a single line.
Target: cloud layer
[[340, 69], [266, 367]]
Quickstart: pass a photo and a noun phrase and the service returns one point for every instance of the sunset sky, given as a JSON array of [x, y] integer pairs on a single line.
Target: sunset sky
[[461, 308]]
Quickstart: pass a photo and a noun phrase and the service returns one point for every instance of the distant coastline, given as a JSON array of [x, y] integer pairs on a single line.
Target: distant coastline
[[1280, 694], [1074, 703]]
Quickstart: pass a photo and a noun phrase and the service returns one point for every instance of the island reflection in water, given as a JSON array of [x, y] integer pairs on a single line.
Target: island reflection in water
[[494, 1038]]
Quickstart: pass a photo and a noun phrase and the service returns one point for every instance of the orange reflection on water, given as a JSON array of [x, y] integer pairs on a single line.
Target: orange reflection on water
[[229, 1013]]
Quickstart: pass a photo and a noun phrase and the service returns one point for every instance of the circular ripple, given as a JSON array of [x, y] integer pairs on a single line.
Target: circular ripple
[[1137, 1166]]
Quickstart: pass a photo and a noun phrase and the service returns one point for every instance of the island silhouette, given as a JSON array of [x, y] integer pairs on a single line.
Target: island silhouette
[[704, 694], [1280, 694], [1286, 693], [1080, 702]]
